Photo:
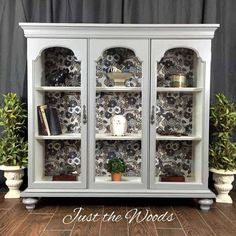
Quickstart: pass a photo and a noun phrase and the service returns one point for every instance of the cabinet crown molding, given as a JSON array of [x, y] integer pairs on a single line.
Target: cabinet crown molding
[[158, 31]]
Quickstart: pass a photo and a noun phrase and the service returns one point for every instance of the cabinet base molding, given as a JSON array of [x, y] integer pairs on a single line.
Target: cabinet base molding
[[31, 196], [36, 192]]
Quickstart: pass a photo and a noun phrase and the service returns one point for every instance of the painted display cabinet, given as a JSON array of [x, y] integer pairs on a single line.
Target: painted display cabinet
[[155, 76]]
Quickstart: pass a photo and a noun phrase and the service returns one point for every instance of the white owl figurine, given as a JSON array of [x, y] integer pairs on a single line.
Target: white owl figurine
[[118, 125]]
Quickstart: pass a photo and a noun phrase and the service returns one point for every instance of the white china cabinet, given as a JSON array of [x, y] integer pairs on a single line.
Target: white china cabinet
[[71, 67]]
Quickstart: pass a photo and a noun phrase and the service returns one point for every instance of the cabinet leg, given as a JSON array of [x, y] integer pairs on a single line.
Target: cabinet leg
[[205, 204], [30, 203]]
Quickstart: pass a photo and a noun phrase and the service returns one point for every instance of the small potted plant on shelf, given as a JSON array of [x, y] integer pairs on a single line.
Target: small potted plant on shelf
[[222, 152], [116, 167], [172, 173], [13, 147], [67, 173]]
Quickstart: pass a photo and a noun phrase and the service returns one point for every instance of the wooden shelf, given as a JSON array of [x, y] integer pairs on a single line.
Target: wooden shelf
[[124, 180], [111, 137], [58, 137], [59, 88], [118, 89], [182, 90], [177, 138]]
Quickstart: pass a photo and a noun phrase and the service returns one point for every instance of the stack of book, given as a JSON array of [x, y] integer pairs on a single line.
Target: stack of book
[[48, 121]]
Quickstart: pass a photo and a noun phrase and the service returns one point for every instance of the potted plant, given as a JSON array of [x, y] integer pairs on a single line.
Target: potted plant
[[13, 147], [67, 173], [222, 150], [172, 173], [116, 167]]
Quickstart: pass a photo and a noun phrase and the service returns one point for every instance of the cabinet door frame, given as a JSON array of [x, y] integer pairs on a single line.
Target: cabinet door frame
[[35, 47], [203, 50], [141, 48]]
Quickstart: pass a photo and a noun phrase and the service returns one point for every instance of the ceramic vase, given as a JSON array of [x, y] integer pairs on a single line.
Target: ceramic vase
[[223, 184]]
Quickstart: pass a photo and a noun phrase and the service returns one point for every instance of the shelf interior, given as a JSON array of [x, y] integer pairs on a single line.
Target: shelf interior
[[69, 136], [128, 105], [178, 158], [118, 89], [128, 150], [58, 88]]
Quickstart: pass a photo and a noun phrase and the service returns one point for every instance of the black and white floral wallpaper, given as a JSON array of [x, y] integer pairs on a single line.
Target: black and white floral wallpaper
[[127, 104], [130, 151], [176, 60], [59, 154], [123, 59], [68, 106], [176, 154], [174, 113], [61, 67]]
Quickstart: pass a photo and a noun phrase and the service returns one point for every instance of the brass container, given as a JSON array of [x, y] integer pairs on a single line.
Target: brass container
[[178, 80]]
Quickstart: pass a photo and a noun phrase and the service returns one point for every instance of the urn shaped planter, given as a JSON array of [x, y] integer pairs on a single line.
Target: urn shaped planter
[[223, 184], [13, 175]]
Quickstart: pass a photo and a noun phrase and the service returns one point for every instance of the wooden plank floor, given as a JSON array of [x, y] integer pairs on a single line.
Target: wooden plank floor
[[47, 218]]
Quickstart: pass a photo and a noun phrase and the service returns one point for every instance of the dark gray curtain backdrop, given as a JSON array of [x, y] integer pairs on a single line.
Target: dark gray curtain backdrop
[[13, 43]]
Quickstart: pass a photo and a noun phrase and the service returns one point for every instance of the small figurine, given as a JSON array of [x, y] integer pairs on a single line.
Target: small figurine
[[118, 125]]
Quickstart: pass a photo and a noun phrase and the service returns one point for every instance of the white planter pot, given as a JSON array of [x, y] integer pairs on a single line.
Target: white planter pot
[[14, 175], [223, 184]]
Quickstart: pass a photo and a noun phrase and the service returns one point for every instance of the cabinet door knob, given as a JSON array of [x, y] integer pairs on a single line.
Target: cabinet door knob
[[84, 114], [152, 115]]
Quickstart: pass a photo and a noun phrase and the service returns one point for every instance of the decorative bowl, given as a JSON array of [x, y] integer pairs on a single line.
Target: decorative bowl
[[119, 77]]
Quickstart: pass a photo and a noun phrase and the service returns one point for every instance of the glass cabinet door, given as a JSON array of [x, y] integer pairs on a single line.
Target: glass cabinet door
[[177, 101], [59, 110], [118, 96]]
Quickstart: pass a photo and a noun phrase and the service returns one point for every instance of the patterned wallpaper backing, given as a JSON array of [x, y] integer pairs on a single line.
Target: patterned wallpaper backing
[[61, 153], [61, 67], [130, 151], [174, 113], [125, 60], [177, 154], [177, 60], [173, 110], [127, 104], [68, 106]]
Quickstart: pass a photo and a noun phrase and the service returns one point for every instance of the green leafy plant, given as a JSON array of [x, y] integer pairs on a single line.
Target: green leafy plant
[[222, 124], [13, 147], [116, 165], [67, 169]]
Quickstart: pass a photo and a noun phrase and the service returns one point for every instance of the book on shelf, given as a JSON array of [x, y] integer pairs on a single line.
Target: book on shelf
[[48, 121], [43, 128]]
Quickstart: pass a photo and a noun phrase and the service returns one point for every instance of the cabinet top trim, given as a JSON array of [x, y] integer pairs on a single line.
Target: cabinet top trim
[[63, 30]]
